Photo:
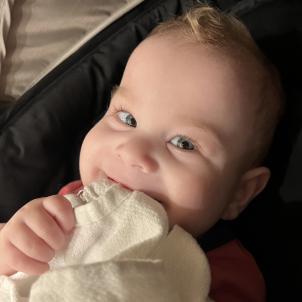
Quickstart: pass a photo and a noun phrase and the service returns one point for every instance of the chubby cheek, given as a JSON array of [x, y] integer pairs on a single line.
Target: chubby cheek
[[195, 203], [190, 189], [86, 159], [93, 150]]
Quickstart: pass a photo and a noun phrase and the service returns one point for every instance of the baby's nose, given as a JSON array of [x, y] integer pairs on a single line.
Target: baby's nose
[[137, 153]]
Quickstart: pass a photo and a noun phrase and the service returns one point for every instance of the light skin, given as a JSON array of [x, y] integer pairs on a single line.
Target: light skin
[[168, 132]]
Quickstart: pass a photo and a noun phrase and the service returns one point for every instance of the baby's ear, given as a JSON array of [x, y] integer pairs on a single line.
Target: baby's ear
[[251, 184]]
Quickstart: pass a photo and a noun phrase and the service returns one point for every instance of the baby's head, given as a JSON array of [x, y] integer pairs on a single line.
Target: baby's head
[[191, 120]]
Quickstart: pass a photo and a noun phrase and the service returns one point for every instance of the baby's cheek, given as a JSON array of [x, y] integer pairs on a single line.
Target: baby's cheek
[[189, 192], [193, 221]]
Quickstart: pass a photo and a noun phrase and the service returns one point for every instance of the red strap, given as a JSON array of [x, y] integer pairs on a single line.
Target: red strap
[[72, 187], [235, 275]]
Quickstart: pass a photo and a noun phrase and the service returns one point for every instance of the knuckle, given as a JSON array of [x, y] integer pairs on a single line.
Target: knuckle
[[58, 202], [22, 211], [10, 231], [38, 250], [54, 238], [62, 209], [28, 208]]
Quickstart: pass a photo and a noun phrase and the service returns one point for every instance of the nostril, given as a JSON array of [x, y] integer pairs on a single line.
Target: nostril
[[136, 155], [147, 164], [143, 168]]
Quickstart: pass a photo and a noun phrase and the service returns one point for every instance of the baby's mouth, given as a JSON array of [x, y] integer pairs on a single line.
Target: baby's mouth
[[130, 189], [123, 185]]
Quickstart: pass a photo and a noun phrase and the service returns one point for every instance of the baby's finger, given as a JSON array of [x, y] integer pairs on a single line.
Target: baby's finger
[[45, 226], [61, 209], [30, 244], [22, 263]]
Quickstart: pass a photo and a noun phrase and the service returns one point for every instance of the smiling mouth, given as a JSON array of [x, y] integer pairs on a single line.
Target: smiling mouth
[[130, 189]]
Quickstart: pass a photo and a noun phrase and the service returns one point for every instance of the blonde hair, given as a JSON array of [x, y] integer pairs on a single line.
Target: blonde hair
[[211, 27]]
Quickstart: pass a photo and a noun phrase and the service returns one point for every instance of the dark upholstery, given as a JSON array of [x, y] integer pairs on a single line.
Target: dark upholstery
[[41, 135]]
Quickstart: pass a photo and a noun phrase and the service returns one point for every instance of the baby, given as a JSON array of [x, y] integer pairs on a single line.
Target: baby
[[189, 125]]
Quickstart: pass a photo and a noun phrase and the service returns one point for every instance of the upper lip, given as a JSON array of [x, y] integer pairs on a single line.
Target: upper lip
[[129, 188]]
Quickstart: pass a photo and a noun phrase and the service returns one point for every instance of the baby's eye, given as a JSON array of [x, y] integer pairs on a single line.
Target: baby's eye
[[182, 142], [127, 118]]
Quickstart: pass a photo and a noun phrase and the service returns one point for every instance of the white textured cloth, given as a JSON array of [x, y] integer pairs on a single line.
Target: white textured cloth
[[121, 250]]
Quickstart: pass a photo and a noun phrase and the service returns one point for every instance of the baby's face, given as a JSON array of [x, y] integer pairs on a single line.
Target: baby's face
[[174, 130]]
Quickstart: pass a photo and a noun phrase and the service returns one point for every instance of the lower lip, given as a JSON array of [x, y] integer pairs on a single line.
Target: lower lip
[[119, 183]]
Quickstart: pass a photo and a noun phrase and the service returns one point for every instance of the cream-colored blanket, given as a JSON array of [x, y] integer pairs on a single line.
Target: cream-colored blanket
[[121, 250]]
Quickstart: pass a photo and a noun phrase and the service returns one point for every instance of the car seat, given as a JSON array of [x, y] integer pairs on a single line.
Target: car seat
[[42, 129]]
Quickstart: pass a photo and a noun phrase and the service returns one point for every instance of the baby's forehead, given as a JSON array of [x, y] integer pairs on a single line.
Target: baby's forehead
[[167, 52], [242, 59]]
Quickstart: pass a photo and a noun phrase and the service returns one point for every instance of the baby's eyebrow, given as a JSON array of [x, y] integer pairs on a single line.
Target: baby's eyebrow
[[120, 91]]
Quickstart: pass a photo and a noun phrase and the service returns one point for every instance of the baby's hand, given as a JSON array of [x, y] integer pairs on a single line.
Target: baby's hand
[[30, 238]]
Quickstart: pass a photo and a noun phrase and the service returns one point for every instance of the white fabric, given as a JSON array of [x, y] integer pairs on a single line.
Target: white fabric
[[45, 32], [121, 250]]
